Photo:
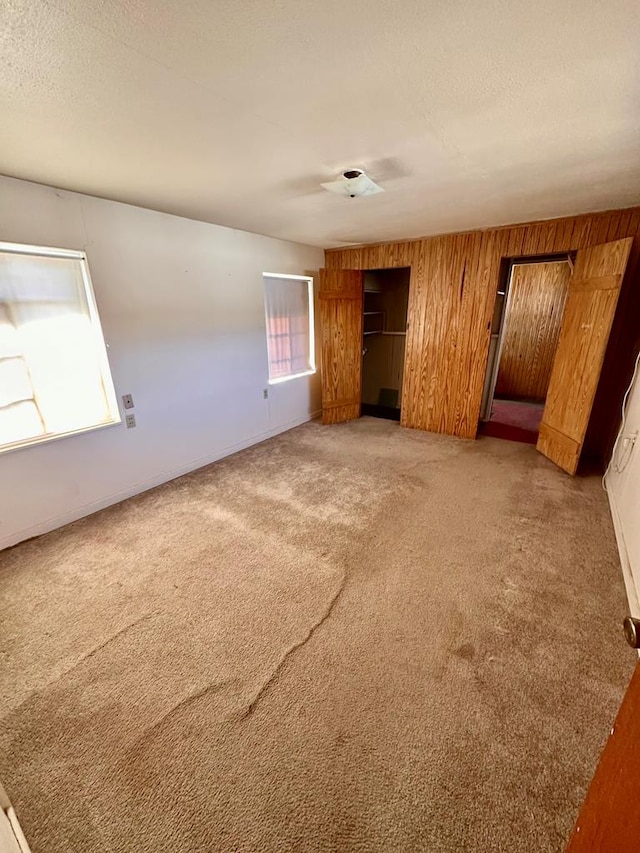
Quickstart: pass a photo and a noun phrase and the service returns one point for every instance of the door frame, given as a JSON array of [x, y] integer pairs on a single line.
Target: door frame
[[485, 412]]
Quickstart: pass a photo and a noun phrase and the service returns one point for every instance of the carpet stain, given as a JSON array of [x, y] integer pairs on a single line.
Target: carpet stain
[[466, 651]]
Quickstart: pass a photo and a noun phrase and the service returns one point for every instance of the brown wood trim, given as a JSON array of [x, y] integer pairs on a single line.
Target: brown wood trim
[[600, 282]]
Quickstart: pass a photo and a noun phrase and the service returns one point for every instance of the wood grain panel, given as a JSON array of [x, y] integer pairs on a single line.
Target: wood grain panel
[[610, 818], [587, 321], [454, 279], [537, 293], [340, 309], [469, 368]]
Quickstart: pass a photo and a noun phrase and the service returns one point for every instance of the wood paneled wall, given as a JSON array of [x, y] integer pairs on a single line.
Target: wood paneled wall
[[537, 293], [454, 281]]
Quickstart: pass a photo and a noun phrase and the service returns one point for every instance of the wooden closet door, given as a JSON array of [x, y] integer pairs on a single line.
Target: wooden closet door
[[340, 303], [586, 323]]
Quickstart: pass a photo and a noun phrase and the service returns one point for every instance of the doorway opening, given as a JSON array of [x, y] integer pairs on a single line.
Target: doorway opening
[[385, 305], [524, 337]]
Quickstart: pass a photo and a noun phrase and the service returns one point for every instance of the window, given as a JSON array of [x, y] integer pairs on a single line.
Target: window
[[54, 374], [288, 303]]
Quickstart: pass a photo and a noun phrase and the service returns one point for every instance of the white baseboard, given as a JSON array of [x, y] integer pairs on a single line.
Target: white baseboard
[[12, 838], [137, 488], [627, 572]]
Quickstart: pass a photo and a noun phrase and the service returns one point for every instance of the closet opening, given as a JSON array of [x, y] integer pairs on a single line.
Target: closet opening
[[385, 305], [525, 329]]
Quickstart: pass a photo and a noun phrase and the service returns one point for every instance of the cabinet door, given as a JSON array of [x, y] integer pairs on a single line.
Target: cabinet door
[[609, 821], [340, 312], [586, 323]]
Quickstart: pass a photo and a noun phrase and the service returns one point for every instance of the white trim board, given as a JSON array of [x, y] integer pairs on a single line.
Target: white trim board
[[8, 840], [109, 500], [631, 586], [12, 838]]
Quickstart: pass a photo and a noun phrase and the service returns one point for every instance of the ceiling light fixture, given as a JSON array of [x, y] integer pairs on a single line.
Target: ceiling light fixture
[[353, 183]]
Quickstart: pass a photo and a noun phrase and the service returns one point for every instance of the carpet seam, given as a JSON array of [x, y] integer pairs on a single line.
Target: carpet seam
[[292, 650]]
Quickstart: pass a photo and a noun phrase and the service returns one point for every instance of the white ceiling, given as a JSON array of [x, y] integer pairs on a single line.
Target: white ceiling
[[469, 113]]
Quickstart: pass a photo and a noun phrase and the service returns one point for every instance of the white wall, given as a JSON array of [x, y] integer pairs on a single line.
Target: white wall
[[623, 486], [181, 305]]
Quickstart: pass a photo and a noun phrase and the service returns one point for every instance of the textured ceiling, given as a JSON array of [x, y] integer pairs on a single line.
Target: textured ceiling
[[232, 111]]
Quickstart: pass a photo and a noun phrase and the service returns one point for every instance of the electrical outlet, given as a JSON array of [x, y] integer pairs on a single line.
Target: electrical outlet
[[265, 393], [127, 401], [130, 421]]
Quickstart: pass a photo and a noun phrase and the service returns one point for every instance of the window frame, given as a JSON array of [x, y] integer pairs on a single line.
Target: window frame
[[312, 331], [97, 334]]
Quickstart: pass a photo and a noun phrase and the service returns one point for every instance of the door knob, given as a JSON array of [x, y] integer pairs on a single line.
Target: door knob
[[631, 628]]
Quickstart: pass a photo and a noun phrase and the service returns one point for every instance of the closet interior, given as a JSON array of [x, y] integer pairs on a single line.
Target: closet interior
[[385, 304]]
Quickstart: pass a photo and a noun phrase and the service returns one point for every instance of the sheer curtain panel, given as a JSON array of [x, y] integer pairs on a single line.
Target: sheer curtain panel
[[54, 374], [289, 315]]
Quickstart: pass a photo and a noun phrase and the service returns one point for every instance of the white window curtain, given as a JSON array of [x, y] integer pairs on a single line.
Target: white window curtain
[[54, 376], [289, 313]]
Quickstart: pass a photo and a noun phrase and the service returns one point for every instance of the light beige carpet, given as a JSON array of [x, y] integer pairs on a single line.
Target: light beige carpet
[[349, 638]]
